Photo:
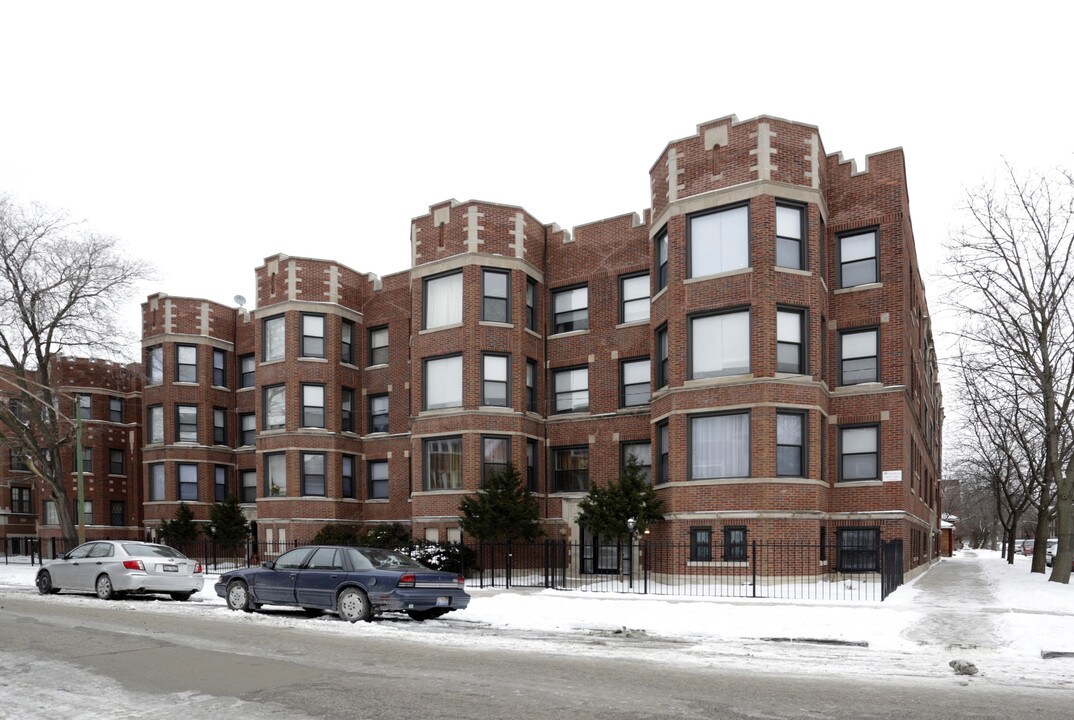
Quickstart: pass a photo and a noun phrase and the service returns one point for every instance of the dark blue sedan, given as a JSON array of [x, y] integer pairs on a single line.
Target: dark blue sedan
[[355, 583]]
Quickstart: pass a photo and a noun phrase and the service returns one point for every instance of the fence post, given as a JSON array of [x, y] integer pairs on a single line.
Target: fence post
[[644, 566], [753, 568], [510, 556]]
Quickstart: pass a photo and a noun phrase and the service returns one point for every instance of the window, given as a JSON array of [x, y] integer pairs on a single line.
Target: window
[[156, 424], [312, 335], [248, 423], [219, 426], [378, 480], [571, 389], [186, 363], [186, 423], [790, 355], [220, 483], [495, 456], [274, 340], [18, 460], [51, 516], [661, 242], [347, 410], [571, 469], [274, 406], [662, 453], [350, 487], [249, 486], [720, 446], [84, 406], [20, 500], [247, 365], [378, 413], [790, 444], [790, 230], [531, 385], [634, 298], [720, 344], [634, 383], [858, 549], [156, 482], [154, 361], [87, 513], [312, 406], [718, 241], [87, 459], [859, 351], [662, 357], [443, 464], [116, 462], [443, 301], [531, 304], [701, 544], [495, 296], [495, 371], [858, 453], [313, 474], [857, 259], [115, 410], [219, 368], [346, 342], [734, 544], [188, 481], [443, 382], [570, 310], [531, 465], [643, 455], [117, 513], [378, 346], [276, 474]]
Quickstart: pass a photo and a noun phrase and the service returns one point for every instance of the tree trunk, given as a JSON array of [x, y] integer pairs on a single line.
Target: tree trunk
[[1040, 544], [1064, 511]]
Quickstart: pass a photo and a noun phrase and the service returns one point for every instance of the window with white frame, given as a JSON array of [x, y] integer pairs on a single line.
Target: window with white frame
[[274, 339], [156, 482], [274, 407], [443, 382], [495, 371], [790, 348], [859, 454], [859, 357], [443, 301], [313, 474], [187, 476], [443, 463], [87, 459], [634, 298], [571, 388], [718, 241], [857, 259], [495, 296], [186, 363], [634, 382], [720, 446], [790, 232], [570, 309], [312, 405], [720, 344], [186, 423], [790, 444], [378, 480]]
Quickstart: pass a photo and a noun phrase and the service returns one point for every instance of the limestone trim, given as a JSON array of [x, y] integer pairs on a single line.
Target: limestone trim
[[309, 306], [739, 193], [461, 260]]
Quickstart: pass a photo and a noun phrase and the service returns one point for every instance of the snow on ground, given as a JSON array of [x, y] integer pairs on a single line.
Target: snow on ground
[[972, 606]]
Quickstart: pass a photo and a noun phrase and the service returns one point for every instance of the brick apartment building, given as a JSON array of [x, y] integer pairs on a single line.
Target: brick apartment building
[[760, 340]]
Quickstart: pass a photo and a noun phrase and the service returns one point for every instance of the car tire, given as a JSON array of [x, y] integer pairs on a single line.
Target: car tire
[[238, 596], [104, 588], [181, 596], [44, 583], [353, 605], [430, 614]]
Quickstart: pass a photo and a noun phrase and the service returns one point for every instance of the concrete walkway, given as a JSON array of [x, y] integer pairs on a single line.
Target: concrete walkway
[[951, 595]]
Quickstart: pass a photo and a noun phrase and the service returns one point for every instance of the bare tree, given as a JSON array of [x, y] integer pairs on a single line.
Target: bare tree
[[1012, 264], [61, 287]]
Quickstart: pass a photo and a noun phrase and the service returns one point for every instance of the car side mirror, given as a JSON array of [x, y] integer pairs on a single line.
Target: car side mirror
[[268, 564]]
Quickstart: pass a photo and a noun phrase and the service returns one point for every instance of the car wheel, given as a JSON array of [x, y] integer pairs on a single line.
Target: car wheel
[[104, 587], [44, 583], [353, 605], [429, 614], [238, 596], [181, 596]]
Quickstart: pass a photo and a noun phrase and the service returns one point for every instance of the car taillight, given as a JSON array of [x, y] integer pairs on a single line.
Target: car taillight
[[462, 582], [134, 565], [407, 580], [197, 568]]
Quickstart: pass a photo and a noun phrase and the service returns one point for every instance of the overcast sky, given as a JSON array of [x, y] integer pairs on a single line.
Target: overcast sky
[[209, 135]]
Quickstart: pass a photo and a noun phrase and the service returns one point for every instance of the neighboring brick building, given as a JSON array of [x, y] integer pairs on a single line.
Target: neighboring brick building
[[760, 339]]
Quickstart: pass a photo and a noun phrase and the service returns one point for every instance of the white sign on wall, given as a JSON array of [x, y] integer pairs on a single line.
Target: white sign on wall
[[892, 476]]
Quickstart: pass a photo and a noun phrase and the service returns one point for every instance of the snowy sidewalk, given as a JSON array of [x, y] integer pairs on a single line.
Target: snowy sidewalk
[[957, 596]]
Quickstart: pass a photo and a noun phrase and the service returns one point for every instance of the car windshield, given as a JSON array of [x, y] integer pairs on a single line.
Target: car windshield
[[388, 559], [144, 550]]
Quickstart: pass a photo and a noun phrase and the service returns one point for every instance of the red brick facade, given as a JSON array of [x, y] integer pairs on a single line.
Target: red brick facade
[[484, 283]]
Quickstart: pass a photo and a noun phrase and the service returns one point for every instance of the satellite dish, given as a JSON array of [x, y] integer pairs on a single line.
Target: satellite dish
[[240, 300]]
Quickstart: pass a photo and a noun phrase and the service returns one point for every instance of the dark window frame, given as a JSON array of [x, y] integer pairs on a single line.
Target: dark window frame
[[247, 378], [505, 300], [220, 489], [21, 500], [859, 556], [281, 387], [426, 452], [347, 398], [84, 406], [425, 299], [701, 544], [157, 493], [801, 240], [182, 487], [247, 433], [624, 300], [876, 356], [842, 455], [624, 387], [560, 325], [156, 351], [114, 467], [660, 241], [735, 547], [378, 351], [506, 382], [375, 483], [663, 437], [219, 367], [379, 422], [531, 385], [425, 385], [220, 429], [247, 491], [661, 340], [308, 411], [556, 393], [801, 347], [531, 464], [690, 442], [307, 476], [282, 319], [531, 304], [186, 370], [307, 347], [348, 465], [487, 468], [839, 238], [748, 310], [346, 342], [115, 409], [714, 211], [803, 454], [625, 450], [117, 513], [180, 425], [561, 477]]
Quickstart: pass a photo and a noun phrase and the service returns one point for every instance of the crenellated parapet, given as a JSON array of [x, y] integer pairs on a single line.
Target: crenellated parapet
[[163, 314], [283, 278], [453, 228]]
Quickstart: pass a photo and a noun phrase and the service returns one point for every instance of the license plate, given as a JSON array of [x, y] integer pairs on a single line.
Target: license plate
[[443, 601], [170, 568]]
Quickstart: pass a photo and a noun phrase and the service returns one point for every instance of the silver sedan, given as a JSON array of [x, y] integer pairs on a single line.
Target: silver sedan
[[113, 567]]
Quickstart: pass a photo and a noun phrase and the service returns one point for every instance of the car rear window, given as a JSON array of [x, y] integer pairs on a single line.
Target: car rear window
[[144, 550]]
